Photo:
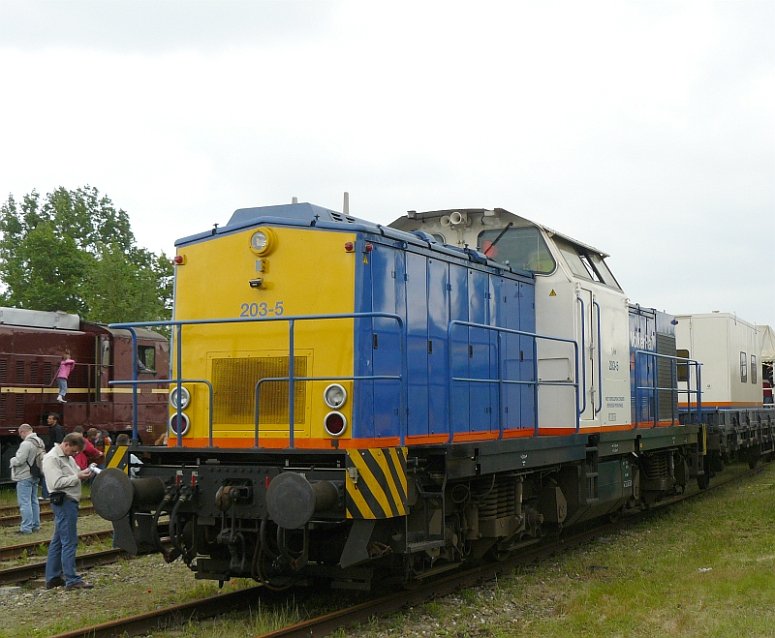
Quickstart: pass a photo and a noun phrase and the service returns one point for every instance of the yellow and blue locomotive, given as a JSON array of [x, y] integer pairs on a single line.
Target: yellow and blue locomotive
[[350, 399]]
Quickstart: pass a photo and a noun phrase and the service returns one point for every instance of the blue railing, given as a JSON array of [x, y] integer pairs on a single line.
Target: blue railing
[[179, 380], [651, 391], [501, 381]]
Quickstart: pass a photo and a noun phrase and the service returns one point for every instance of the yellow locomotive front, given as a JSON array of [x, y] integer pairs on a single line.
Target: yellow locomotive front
[[247, 299]]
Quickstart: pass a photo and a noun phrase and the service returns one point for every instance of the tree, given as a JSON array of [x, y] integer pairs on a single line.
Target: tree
[[74, 251]]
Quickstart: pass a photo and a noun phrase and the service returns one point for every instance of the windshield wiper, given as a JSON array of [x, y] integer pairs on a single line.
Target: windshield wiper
[[498, 238]]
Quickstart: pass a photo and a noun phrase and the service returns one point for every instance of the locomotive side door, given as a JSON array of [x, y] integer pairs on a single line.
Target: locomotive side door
[[102, 367], [589, 348]]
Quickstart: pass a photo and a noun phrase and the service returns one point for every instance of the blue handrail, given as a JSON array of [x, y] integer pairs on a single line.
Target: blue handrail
[[653, 389], [291, 320], [501, 381]]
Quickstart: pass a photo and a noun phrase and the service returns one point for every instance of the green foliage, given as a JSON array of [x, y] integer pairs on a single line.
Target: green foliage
[[74, 251]]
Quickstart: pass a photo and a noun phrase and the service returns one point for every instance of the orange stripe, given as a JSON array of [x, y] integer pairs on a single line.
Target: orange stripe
[[432, 439], [417, 439], [558, 431], [723, 404], [518, 434], [603, 428], [328, 444], [474, 436], [665, 423], [467, 436], [282, 443]]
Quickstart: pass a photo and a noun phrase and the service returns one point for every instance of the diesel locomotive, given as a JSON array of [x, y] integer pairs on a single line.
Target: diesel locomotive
[[31, 346], [359, 402]]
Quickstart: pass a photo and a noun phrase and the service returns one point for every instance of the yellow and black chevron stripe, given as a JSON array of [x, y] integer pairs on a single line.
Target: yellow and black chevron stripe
[[376, 483], [117, 456]]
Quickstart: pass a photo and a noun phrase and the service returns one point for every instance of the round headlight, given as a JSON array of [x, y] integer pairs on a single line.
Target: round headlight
[[185, 396], [261, 241], [335, 423], [335, 396], [179, 424]]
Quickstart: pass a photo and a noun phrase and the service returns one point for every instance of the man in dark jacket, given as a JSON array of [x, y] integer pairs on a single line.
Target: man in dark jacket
[[56, 432]]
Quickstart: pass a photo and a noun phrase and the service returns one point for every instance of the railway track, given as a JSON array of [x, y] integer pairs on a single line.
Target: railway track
[[31, 571], [10, 516], [175, 614], [380, 605], [8, 510], [27, 549]]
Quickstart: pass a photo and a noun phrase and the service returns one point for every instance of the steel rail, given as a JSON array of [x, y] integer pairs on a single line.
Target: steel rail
[[31, 571], [45, 515], [16, 551], [153, 620]]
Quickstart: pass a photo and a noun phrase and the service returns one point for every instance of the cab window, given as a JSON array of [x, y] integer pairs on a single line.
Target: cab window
[[602, 268], [146, 359], [522, 248], [586, 264]]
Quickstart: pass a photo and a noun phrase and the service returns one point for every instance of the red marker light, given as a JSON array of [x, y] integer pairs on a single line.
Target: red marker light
[[179, 260], [349, 247], [368, 248]]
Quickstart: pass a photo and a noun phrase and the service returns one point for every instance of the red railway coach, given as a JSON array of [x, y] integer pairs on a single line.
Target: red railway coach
[[31, 346]]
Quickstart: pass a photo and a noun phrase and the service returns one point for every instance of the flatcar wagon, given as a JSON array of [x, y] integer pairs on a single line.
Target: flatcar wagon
[[31, 347], [740, 425], [355, 401]]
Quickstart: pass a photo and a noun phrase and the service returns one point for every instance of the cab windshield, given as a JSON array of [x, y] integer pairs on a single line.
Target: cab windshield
[[585, 263], [522, 248]]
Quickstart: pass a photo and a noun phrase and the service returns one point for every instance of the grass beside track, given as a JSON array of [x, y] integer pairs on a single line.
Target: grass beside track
[[701, 568]]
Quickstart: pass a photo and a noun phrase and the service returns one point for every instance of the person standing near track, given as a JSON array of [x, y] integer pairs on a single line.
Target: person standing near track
[[26, 484], [89, 454], [56, 431], [63, 479], [66, 366], [55, 435]]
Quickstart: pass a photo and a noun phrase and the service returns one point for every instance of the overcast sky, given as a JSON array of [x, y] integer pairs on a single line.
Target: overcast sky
[[646, 129]]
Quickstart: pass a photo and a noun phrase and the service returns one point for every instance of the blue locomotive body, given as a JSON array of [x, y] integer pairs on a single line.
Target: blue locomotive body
[[452, 316]]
